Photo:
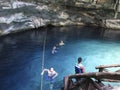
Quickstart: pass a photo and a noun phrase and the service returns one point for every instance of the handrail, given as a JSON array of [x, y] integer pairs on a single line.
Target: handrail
[[107, 76], [98, 75], [107, 66]]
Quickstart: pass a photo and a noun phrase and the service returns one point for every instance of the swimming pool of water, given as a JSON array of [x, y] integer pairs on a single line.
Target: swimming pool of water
[[21, 55]]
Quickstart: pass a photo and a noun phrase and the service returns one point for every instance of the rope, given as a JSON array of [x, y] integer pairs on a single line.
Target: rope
[[43, 55]]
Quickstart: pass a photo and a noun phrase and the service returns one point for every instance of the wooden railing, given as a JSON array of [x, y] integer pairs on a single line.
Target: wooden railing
[[100, 76]]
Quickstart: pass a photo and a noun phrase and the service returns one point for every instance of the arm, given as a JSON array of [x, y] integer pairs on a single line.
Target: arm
[[56, 74], [83, 69], [44, 70]]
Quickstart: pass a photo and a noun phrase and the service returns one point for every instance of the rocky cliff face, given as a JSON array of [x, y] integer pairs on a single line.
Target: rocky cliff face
[[17, 16]]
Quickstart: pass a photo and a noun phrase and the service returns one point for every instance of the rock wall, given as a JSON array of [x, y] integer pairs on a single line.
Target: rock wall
[[112, 23], [18, 16]]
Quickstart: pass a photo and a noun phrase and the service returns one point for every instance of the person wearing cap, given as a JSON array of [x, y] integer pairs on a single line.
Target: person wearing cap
[[51, 73]]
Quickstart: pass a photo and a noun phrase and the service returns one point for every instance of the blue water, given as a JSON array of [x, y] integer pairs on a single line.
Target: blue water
[[21, 55]]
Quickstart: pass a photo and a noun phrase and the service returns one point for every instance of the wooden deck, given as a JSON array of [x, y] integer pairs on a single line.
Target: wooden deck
[[92, 80]]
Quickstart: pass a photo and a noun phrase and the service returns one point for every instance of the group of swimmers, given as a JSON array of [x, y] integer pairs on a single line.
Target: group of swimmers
[[79, 68], [55, 47]]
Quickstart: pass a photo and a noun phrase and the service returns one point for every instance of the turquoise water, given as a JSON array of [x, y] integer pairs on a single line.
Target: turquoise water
[[21, 55]]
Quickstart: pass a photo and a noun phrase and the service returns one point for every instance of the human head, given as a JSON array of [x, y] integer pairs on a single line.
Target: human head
[[61, 41], [79, 60], [51, 69]]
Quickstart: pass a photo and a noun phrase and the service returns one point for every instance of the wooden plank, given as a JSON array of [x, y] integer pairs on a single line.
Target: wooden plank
[[110, 80], [98, 75], [107, 66]]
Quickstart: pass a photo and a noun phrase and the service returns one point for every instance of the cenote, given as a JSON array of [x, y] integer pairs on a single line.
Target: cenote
[[21, 54]]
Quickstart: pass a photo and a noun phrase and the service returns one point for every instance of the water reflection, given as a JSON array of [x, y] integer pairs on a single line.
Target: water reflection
[[21, 54], [112, 34]]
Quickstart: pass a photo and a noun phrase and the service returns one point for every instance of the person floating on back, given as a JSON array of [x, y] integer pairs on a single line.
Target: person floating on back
[[79, 68]]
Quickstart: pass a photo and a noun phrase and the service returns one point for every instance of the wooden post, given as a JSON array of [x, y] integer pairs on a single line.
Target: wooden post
[[66, 82]]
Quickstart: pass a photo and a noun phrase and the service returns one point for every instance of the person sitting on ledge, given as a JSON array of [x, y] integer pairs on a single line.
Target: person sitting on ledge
[[79, 68]]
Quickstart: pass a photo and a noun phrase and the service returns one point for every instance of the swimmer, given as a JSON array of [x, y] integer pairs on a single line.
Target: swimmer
[[51, 73], [54, 49], [61, 43]]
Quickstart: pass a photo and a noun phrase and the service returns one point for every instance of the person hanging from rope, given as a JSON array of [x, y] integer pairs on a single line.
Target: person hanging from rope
[[51, 74]]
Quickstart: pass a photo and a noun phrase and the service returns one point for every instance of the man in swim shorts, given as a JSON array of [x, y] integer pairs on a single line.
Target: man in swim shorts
[[51, 73]]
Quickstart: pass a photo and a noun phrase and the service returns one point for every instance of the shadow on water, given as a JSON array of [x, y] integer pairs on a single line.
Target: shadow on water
[[21, 54]]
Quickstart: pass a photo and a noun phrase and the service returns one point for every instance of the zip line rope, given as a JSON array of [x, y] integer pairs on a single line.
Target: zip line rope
[[43, 57]]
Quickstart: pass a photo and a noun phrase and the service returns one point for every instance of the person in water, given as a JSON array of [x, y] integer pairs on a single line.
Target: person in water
[[51, 74], [79, 68], [54, 49], [61, 43]]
